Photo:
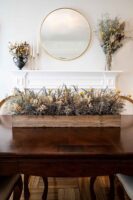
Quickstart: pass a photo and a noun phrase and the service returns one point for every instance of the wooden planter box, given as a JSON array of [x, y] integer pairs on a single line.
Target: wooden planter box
[[72, 130], [67, 121]]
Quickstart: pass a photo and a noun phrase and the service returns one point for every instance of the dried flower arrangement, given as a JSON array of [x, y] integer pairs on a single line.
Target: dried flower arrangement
[[111, 36], [66, 101], [19, 49], [20, 52]]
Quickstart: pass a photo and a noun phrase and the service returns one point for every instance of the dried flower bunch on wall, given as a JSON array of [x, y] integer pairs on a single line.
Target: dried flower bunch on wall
[[66, 101], [111, 35]]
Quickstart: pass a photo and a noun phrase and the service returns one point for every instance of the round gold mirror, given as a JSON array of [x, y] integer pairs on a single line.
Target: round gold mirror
[[65, 34]]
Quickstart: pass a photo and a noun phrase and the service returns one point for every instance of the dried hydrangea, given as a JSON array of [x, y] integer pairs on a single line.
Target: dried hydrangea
[[66, 101]]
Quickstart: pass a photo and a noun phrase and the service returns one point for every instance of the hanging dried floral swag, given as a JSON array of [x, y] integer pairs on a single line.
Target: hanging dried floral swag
[[111, 35]]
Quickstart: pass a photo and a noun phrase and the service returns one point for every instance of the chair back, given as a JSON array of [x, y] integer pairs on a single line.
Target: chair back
[[128, 110]]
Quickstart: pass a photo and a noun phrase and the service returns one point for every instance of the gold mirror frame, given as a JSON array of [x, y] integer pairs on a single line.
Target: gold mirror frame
[[89, 36]]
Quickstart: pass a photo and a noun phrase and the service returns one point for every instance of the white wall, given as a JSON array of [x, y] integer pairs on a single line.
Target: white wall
[[20, 20]]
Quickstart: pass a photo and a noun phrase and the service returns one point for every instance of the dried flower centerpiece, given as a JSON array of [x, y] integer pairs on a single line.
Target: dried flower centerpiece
[[20, 52], [111, 35], [81, 106], [67, 101]]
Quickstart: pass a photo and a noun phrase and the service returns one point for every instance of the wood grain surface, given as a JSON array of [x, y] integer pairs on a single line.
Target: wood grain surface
[[67, 121]]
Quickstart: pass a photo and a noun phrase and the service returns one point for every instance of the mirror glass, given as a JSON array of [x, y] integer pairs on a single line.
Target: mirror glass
[[65, 34]]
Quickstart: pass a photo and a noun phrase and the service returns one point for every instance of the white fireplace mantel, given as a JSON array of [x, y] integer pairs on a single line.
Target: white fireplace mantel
[[36, 79]]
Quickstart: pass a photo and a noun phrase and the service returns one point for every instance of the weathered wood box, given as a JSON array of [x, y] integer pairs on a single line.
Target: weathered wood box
[[64, 130], [66, 121]]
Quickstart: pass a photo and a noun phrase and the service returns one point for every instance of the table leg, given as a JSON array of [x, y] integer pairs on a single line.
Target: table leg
[[26, 188], [112, 188], [92, 192], [45, 192]]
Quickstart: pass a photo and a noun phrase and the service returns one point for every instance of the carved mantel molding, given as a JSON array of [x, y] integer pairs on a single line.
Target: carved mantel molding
[[36, 79]]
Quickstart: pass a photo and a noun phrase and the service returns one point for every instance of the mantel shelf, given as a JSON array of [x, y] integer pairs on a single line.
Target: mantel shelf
[[36, 79], [75, 72]]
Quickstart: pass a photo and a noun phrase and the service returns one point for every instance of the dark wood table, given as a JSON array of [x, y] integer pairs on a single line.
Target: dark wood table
[[66, 152]]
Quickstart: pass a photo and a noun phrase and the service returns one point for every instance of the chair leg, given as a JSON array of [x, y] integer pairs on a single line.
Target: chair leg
[[45, 192], [18, 189], [26, 188], [92, 192], [112, 188], [120, 190]]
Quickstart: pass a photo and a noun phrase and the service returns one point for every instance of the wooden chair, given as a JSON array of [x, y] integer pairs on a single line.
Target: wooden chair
[[126, 181], [26, 177], [10, 184], [124, 186]]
